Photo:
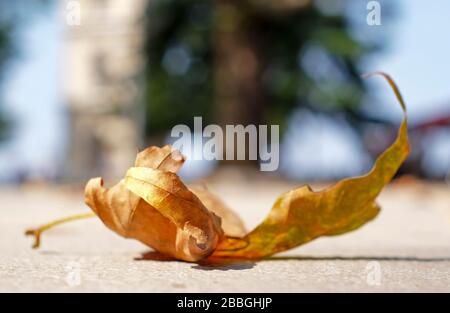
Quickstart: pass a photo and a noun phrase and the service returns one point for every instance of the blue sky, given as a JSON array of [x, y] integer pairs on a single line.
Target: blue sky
[[33, 99], [418, 58]]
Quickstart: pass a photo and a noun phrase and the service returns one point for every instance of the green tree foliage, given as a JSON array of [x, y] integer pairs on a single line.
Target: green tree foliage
[[180, 73], [302, 56], [13, 15], [5, 52]]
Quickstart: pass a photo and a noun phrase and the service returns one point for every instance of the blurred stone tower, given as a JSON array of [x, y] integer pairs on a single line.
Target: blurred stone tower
[[103, 64]]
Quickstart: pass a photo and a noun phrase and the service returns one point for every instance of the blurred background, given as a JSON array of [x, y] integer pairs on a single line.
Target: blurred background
[[86, 84]]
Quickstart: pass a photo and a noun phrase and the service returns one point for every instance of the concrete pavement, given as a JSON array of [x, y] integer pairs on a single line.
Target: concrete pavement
[[407, 248]]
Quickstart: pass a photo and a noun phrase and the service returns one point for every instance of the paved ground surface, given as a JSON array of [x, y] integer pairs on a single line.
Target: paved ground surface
[[406, 249]]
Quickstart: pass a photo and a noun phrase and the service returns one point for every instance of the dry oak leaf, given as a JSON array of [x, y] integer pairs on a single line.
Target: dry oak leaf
[[172, 220], [301, 215], [153, 206], [232, 224]]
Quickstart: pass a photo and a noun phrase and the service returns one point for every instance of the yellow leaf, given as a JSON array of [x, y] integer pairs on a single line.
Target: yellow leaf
[[302, 215], [176, 224], [127, 214], [232, 224], [198, 229], [153, 206]]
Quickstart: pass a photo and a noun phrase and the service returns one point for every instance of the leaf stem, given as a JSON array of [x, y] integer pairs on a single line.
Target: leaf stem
[[38, 231]]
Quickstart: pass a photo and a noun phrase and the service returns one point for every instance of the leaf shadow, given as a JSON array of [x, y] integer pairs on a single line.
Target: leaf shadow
[[221, 264], [49, 252], [210, 264], [155, 256], [230, 264], [358, 258]]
